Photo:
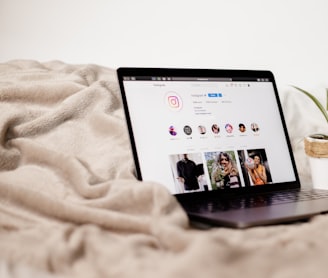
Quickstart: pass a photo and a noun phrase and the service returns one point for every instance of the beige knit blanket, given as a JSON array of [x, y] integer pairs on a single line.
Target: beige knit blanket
[[70, 205]]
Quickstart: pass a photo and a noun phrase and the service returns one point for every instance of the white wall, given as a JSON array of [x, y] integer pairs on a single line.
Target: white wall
[[288, 37]]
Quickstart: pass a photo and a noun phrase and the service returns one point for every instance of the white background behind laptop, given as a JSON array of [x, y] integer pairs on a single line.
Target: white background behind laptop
[[287, 37]]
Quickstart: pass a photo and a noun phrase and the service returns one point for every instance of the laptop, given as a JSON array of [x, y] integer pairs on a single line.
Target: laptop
[[218, 141]]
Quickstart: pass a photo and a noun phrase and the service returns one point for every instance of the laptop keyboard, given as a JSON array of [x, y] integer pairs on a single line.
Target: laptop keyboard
[[253, 201]]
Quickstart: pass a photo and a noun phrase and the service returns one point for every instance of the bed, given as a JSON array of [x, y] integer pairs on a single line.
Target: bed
[[70, 205]]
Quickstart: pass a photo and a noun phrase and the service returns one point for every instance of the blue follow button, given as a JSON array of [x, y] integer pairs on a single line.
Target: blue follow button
[[214, 95]]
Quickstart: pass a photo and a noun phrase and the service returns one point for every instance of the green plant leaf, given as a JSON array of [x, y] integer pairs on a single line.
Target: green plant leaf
[[316, 101]]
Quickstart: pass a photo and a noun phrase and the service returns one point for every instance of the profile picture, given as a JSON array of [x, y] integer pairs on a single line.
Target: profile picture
[[228, 128], [202, 129], [255, 127], [215, 129], [173, 101], [172, 130], [187, 129], [242, 127]]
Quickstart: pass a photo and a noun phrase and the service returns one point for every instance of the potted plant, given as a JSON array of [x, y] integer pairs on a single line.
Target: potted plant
[[316, 146]]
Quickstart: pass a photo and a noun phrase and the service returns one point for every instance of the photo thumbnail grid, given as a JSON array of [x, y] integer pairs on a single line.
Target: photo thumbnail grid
[[219, 170]]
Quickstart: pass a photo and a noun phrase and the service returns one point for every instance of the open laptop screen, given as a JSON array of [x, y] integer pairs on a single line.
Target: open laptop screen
[[202, 133]]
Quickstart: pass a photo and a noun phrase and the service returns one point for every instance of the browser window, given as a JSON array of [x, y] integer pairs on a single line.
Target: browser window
[[199, 134]]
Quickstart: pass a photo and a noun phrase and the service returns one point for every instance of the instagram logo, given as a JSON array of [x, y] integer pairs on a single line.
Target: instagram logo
[[173, 101]]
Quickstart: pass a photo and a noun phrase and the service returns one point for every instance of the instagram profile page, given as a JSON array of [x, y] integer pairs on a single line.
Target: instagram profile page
[[200, 136]]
